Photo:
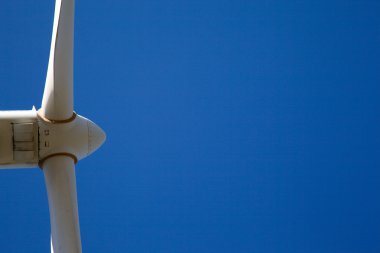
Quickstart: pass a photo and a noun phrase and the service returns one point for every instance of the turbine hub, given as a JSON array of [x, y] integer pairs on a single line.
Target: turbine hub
[[96, 137], [77, 138]]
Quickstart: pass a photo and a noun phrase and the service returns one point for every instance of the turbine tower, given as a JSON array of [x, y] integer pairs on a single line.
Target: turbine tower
[[54, 137]]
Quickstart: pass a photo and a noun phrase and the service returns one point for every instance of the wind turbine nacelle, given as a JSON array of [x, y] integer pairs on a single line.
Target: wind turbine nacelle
[[18, 139], [27, 139]]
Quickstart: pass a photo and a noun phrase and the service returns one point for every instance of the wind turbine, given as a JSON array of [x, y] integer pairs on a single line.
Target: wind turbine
[[54, 137]]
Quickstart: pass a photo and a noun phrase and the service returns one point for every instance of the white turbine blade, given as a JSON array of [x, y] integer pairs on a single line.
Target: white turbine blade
[[51, 245], [57, 101], [60, 182]]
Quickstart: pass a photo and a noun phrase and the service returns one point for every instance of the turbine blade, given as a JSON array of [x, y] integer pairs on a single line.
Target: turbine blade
[[59, 172], [57, 101], [51, 245]]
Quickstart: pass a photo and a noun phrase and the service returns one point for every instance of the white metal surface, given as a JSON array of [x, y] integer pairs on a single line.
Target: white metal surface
[[79, 138], [26, 139], [18, 139], [58, 102], [59, 172]]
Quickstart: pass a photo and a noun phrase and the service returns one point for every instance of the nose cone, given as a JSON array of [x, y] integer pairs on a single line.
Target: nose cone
[[96, 137]]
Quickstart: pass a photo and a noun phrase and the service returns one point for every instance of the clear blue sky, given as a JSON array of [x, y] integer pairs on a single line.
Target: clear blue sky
[[233, 126]]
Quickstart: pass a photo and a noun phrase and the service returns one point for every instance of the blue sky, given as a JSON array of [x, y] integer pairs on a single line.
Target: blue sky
[[233, 126]]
